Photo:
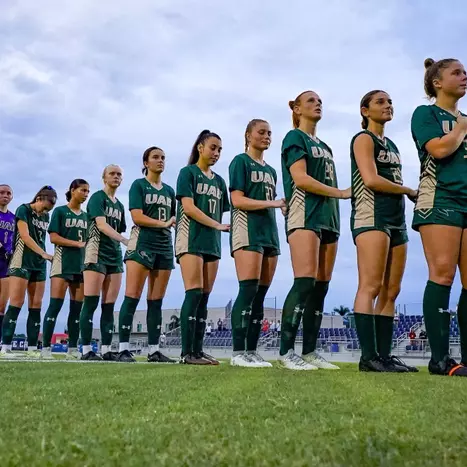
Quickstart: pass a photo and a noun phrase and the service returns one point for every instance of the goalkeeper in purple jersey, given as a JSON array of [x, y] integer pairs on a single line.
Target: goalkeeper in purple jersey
[[7, 230]]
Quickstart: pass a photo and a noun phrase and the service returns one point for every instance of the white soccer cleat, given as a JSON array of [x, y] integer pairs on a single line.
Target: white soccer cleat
[[245, 361], [292, 361], [72, 354], [314, 358], [9, 355], [32, 354], [46, 354], [256, 357]]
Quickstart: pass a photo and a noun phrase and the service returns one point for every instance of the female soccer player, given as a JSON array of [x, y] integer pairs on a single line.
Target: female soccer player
[[379, 232], [203, 198], [103, 263], [27, 270], [149, 254], [440, 134], [312, 226], [68, 231], [7, 229], [254, 240]]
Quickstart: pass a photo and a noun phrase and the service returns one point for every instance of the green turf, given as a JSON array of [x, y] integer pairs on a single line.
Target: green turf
[[58, 414]]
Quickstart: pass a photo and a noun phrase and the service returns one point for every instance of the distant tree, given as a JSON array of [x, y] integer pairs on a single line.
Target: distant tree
[[342, 310]]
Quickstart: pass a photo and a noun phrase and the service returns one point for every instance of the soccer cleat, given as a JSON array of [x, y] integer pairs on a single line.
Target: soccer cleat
[[110, 356], [91, 357], [125, 356], [256, 357], [392, 367], [46, 354], [292, 361], [208, 357], [374, 365], [158, 357], [400, 362], [9, 355], [72, 354], [245, 361], [447, 367], [33, 354], [191, 359], [314, 358]]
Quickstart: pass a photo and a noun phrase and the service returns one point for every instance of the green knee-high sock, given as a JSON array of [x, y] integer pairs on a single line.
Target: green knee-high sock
[[188, 318], [9, 324], [313, 316], [201, 317], [50, 318], [125, 319], [257, 315], [33, 326], [73, 323], [85, 318], [462, 321], [154, 321], [241, 312], [435, 300], [366, 332], [384, 328], [294, 307], [107, 323]]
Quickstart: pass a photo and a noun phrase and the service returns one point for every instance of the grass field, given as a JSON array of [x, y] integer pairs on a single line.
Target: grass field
[[59, 414]]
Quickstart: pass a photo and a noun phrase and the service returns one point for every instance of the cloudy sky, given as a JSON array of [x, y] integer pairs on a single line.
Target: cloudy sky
[[85, 83]]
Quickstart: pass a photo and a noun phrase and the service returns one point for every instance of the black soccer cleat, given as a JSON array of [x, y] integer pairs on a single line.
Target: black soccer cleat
[[91, 357], [374, 365], [158, 357], [125, 356], [447, 367], [110, 356], [392, 367], [207, 357], [400, 362]]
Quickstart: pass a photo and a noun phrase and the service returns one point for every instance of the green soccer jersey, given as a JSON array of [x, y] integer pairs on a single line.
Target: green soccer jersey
[[101, 249], [443, 182], [23, 257], [256, 181], [156, 204], [67, 224], [210, 196], [371, 208], [307, 210]]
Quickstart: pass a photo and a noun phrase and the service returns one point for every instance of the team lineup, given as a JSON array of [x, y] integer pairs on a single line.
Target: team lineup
[[88, 261]]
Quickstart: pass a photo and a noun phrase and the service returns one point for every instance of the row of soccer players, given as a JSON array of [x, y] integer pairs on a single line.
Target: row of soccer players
[[312, 225]]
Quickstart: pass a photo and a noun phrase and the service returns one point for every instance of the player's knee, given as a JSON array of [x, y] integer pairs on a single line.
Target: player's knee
[[370, 288], [393, 292], [443, 272]]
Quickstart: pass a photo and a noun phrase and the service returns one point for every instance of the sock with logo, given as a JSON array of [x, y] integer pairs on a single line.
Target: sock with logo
[[188, 319], [201, 317], [73, 323], [125, 320], [85, 319], [241, 312], [257, 315], [294, 307], [33, 327], [50, 318], [154, 322], [313, 316], [384, 328], [107, 323], [9, 324], [462, 322], [435, 301]]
